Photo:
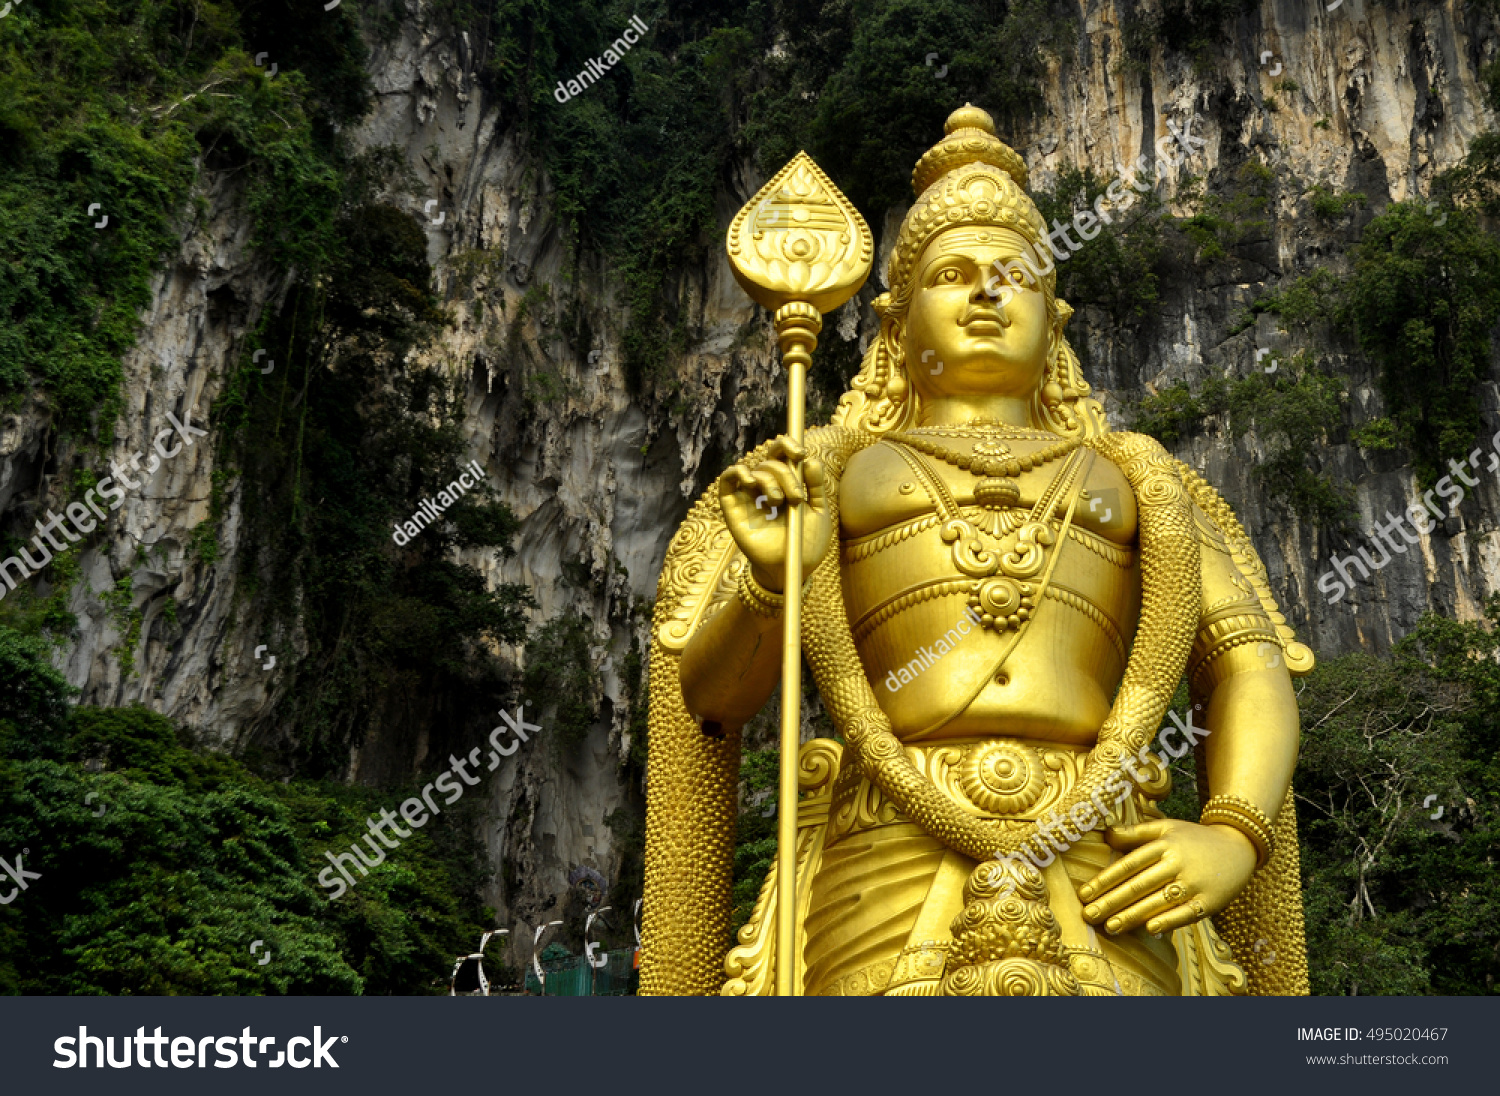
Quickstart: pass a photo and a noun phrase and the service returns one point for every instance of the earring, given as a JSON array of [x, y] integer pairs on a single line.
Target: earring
[[1052, 392]]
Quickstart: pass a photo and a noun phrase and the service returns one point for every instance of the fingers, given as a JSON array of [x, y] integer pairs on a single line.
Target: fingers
[[1121, 838], [777, 476], [736, 477], [1120, 871], [779, 482], [784, 448], [1178, 918], [815, 479], [1130, 892], [770, 480], [736, 485], [1154, 905]]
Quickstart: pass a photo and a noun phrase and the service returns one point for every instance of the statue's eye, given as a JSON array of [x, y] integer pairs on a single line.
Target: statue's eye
[[948, 277]]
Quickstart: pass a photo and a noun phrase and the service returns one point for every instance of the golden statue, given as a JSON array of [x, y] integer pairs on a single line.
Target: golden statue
[[1002, 598]]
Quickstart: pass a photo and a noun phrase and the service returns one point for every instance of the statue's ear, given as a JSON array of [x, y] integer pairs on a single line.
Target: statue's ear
[[1062, 312]]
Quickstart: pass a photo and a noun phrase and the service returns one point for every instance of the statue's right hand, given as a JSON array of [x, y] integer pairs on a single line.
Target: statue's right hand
[[756, 502]]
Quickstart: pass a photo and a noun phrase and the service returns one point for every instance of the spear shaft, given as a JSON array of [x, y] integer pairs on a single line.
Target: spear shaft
[[797, 327], [799, 249]]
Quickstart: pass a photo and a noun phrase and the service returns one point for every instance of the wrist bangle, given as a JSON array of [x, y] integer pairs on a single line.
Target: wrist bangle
[[757, 598], [1244, 816]]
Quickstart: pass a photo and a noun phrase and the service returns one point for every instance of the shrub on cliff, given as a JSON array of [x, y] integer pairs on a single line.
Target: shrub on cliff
[[159, 866]]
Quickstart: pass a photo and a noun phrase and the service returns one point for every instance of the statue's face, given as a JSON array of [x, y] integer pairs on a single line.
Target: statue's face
[[963, 339]]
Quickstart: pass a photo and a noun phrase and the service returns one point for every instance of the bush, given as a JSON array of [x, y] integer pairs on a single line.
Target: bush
[[1399, 901], [1423, 302], [160, 866], [1330, 205], [560, 675], [1116, 270], [126, 108], [1292, 412], [1169, 415]]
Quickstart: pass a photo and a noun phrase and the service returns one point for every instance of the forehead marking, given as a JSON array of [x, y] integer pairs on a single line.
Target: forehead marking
[[960, 239]]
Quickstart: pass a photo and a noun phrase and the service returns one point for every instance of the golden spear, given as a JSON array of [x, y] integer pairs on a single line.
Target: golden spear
[[799, 249]]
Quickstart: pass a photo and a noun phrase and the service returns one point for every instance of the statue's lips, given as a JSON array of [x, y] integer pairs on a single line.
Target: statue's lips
[[983, 327]]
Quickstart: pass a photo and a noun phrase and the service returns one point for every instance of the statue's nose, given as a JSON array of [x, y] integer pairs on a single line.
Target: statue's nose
[[982, 300]]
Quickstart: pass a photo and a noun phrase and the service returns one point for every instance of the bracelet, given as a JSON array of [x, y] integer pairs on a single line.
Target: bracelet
[[1247, 818], [757, 598]]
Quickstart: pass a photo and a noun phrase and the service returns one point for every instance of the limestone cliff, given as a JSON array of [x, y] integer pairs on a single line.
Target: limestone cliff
[[1384, 96]]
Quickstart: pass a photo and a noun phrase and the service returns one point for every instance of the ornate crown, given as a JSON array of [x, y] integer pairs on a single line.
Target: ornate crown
[[969, 177]]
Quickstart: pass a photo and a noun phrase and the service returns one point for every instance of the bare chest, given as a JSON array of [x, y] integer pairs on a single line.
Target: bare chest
[[882, 489]]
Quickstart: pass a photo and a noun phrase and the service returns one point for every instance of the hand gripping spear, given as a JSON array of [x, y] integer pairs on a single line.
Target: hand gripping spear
[[799, 249]]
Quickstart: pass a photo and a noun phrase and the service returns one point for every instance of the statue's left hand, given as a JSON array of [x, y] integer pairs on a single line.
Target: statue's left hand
[[1173, 873]]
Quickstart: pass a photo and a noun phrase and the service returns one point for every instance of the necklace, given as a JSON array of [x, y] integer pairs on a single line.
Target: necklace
[[993, 461], [983, 428], [1005, 592]]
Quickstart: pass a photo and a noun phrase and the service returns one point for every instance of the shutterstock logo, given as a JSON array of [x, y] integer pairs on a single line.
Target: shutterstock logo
[[189, 1053]]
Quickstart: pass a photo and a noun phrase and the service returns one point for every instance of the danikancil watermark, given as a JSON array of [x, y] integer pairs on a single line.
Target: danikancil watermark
[[416, 811], [597, 67], [928, 655], [1424, 515], [432, 510], [78, 516]]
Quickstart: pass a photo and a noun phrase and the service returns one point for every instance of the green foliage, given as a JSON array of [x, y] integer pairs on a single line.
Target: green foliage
[[560, 678], [1138, 37], [126, 617], [33, 698], [1193, 27], [1169, 415], [1423, 301], [193, 858], [33, 614], [883, 106], [1291, 411], [130, 106], [1224, 218], [338, 446], [755, 840], [1475, 182], [1115, 270], [1330, 205], [1379, 435], [638, 159], [1399, 902], [1314, 296]]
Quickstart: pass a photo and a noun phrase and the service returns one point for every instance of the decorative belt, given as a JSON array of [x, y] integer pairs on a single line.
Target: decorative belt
[[1008, 779]]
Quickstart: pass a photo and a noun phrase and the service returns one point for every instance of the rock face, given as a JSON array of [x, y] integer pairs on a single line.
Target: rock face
[[1386, 96]]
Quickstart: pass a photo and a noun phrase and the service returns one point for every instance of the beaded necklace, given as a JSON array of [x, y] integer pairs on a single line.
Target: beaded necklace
[[992, 460]]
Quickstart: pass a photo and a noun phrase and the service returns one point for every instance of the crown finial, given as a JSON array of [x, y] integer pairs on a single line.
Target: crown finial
[[969, 116], [968, 138]]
